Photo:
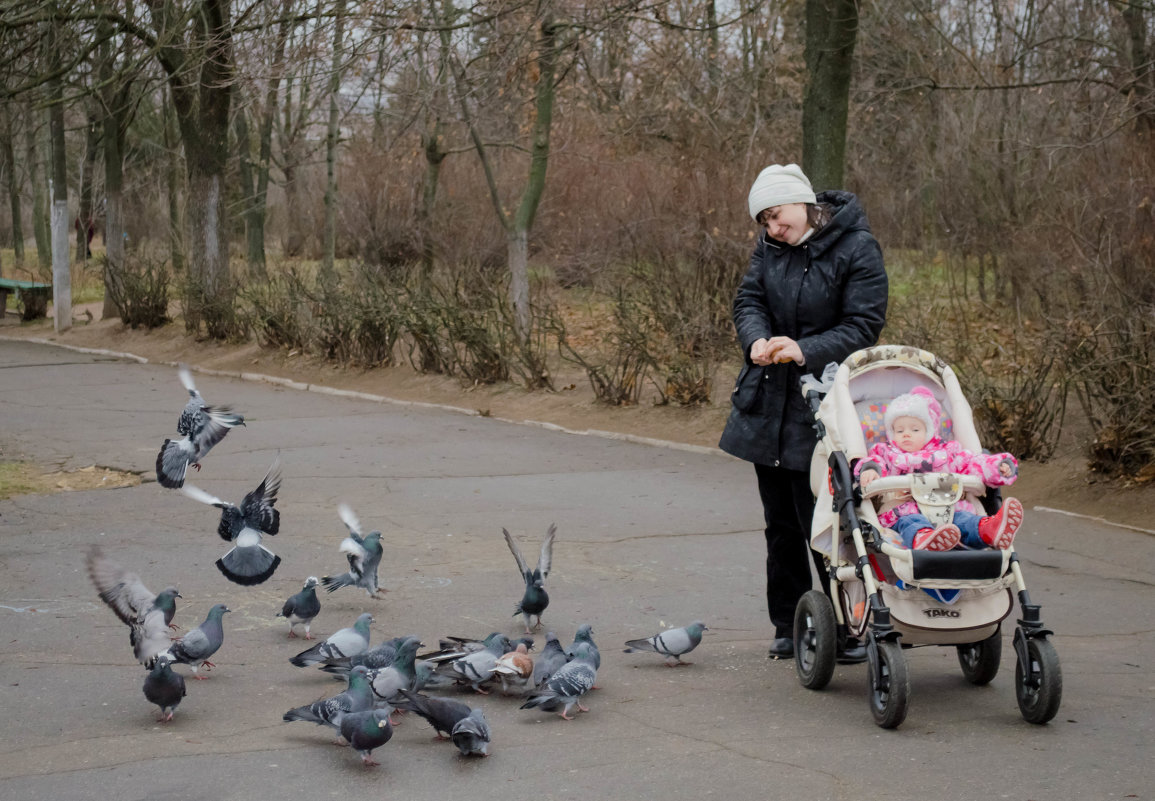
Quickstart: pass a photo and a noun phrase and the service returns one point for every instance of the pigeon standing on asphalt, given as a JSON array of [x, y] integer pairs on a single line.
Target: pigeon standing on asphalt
[[387, 682], [363, 553], [148, 616], [441, 713], [357, 697], [202, 427], [566, 687], [365, 731], [535, 600], [248, 562], [164, 687], [515, 671], [671, 643], [583, 645], [195, 648], [300, 609], [552, 657], [375, 658], [344, 642], [471, 734], [477, 667]]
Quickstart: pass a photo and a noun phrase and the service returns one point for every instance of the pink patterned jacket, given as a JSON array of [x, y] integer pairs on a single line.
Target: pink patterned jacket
[[936, 456]]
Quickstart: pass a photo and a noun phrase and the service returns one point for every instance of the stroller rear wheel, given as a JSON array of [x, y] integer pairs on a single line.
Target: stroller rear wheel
[[815, 640], [1039, 683], [889, 684], [980, 660]]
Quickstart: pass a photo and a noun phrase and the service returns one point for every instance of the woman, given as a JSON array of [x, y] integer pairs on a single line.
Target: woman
[[814, 293]]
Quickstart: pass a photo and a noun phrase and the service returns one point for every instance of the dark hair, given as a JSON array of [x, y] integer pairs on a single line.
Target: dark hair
[[817, 215]]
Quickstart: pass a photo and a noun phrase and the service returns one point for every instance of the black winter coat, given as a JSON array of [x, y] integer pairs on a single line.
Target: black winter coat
[[828, 294]]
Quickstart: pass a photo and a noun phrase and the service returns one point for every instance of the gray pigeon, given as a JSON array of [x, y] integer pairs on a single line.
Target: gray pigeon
[[357, 697], [202, 427], [441, 713], [388, 682], [164, 687], [535, 599], [671, 643], [195, 648], [248, 562], [471, 734], [148, 616], [583, 643], [300, 609], [344, 642], [552, 657], [566, 687], [428, 678], [363, 553], [477, 667], [375, 658], [365, 731]]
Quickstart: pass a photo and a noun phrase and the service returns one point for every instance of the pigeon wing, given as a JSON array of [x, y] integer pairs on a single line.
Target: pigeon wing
[[546, 558], [257, 507], [351, 522], [123, 591], [522, 567], [210, 427]]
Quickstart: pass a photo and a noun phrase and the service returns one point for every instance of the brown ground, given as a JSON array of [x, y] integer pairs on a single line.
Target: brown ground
[[1061, 483]]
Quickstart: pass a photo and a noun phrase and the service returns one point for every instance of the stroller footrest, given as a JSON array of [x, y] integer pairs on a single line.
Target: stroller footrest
[[958, 564]]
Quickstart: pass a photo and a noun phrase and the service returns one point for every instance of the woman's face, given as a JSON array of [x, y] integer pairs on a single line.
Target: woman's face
[[786, 223]]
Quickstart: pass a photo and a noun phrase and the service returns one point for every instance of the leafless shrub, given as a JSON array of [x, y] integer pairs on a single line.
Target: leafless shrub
[[617, 377], [139, 290], [279, 311]]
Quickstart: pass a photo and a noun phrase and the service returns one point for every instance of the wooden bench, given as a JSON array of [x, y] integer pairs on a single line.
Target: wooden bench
[[32, 296]]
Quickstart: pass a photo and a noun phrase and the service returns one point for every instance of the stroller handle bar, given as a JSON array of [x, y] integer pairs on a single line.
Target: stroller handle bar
[[881, 486]]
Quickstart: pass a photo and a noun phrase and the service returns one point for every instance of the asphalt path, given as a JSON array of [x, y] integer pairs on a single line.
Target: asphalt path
[[647, 536]]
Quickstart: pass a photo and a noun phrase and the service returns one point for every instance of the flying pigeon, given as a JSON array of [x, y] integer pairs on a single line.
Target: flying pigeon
[[357, 697], [248, 562], [566, 687], [471, 734], [515, 671], [344, 642], [671, 643], [300, 609], [195, 648], [441, 713], [365, 731], [535, 600], [477, 667], [202, 427], [363, 553], [147, 616], [164, 687], [552, 657]]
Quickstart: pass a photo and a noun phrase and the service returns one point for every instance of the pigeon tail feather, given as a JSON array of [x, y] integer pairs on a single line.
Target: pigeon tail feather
[[249, 565]]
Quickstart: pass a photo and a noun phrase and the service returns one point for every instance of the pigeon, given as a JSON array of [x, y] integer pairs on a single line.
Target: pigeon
[[552, 657], [363, 553], [248, 562], [583, 642], [357, 697], [471, 734], [147, 616], [301, 608], [375, 658], [427, 677], [202, 427], [365, 731], [566, 687], [195, 648], [344, 642], [515, 671], [164, 687], [671, 643], [441, 713], [476, 667], [451, 648], [535, 600], [401, 675]]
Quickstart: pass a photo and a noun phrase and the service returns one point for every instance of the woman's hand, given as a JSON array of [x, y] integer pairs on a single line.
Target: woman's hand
[[776, 350]]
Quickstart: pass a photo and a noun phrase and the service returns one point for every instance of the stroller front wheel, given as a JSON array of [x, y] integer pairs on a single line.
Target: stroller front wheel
[[815, 640], [889, 684], [980, 660], [1039, 683]]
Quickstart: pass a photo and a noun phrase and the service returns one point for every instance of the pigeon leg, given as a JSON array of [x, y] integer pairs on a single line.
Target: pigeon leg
[[292, 634], [207, 663], [368, 761], [196, 465], [308, 636], [440, 736], [582, 708]]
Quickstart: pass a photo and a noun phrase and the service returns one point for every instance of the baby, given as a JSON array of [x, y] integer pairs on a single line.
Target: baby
[[913, 446]]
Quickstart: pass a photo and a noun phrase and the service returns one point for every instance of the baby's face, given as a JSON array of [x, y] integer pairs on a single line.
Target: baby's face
[[910, 434]]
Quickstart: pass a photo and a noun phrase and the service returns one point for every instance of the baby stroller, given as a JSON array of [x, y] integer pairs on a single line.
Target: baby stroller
[[888, 595]]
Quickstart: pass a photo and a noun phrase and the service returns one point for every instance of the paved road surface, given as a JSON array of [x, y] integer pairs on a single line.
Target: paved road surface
[[645, 535]]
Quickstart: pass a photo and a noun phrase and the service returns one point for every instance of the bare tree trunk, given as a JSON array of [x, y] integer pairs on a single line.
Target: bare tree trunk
[[8, 160], [85, 213], [61, 266], [114, 97], [250, 213], [329, 247], [175, 186], [1142, 88], [40, 215], [831, 32]]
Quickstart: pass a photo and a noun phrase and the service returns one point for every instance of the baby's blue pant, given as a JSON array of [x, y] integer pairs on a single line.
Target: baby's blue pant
[[968, 523]]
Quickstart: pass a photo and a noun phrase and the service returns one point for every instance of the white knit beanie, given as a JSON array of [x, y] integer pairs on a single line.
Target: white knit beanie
[[777, 185], [920, 404]]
